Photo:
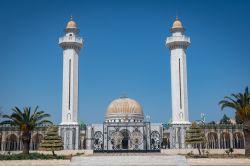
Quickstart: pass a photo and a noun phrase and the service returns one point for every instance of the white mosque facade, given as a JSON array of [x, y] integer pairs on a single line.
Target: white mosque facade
[[125, 127]]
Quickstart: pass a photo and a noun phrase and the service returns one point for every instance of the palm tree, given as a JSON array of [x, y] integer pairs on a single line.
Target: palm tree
[[27, 121], [241, 104]]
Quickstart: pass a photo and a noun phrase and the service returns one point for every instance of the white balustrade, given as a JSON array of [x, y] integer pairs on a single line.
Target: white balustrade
[[70, 39], [178, 38]]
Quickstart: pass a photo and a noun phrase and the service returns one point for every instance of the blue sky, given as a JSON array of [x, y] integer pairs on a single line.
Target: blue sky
[[124, 53]]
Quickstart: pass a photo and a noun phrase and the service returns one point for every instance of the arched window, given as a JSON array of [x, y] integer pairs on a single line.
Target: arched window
[[212, 140], [36, 140], [11, 143], [225, 140], [238, 140], [68, 116], [166, 141]]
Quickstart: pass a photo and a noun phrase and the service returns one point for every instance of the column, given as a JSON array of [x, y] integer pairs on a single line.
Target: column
[[182, 137], [231, 139], [88, 137], [77, 138]]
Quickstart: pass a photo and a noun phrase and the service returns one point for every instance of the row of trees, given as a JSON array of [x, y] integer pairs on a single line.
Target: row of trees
[[226, 120], [240, 103], [27, 120]]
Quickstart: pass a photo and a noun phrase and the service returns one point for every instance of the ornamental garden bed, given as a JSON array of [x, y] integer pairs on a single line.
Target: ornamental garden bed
[[32, 156], [217, 156]]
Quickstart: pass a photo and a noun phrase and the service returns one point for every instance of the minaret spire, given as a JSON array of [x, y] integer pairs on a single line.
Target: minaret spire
[[71, 44], [177, 44]]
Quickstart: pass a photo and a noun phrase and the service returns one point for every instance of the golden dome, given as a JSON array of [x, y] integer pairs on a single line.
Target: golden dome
[[177, 24], [124, 106], [71, 23]]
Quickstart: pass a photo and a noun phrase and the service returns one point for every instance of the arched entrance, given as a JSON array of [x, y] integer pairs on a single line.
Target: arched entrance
[[125, 140]]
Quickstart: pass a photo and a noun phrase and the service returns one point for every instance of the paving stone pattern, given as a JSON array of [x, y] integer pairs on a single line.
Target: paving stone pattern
[[129, 160]]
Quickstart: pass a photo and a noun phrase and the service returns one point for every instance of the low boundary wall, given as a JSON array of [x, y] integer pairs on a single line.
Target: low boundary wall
[[195, 151]]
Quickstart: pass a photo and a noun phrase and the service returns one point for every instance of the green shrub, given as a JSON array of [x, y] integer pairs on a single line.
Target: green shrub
[[190, 153], [229, 151], [31, 156], [79, 154], [207, 152]]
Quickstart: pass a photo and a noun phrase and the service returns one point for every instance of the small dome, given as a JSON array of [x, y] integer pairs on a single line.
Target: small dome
[[71, 23], [177, 24], [124, 108]]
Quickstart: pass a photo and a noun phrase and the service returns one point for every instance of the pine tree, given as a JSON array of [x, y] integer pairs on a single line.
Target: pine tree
[[225, 120], [51, 141], [195, 136]]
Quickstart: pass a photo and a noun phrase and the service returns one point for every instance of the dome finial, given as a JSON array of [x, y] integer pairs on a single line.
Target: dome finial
[[71, 23], [177, 23], [176, 16], [124, 95]]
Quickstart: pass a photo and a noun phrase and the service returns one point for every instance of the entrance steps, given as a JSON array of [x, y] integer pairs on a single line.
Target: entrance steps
[[140, 159]]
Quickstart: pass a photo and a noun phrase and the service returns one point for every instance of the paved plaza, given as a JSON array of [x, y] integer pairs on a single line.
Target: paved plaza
[[127, 160], [219, 162], [124, 159], [34, 163]]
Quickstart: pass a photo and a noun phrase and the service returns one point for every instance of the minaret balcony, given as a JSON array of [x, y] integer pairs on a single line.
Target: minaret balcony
[[177, 41], [71, 40]]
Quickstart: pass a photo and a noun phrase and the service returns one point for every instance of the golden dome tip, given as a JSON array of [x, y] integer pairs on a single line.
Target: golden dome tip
[[71, 23], [177, 23]]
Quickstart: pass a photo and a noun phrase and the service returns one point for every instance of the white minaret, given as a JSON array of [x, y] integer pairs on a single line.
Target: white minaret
[[178, 44], [71, 44]]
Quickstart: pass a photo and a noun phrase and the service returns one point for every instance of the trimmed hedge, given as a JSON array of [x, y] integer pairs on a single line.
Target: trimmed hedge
[[31, 156]]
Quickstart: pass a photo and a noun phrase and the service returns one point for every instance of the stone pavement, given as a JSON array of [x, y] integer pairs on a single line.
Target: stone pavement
[[219, 162], [34, 163], [129, 160]]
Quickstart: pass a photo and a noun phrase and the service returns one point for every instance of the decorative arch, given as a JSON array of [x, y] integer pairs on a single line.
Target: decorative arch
[[181, 115], [82, 141], [11, 143], [68, 116], [98, 140], [238, 140], [116, 140], [166, 141], [212, 140], [225, 140], [155, 140], [36, 140]]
